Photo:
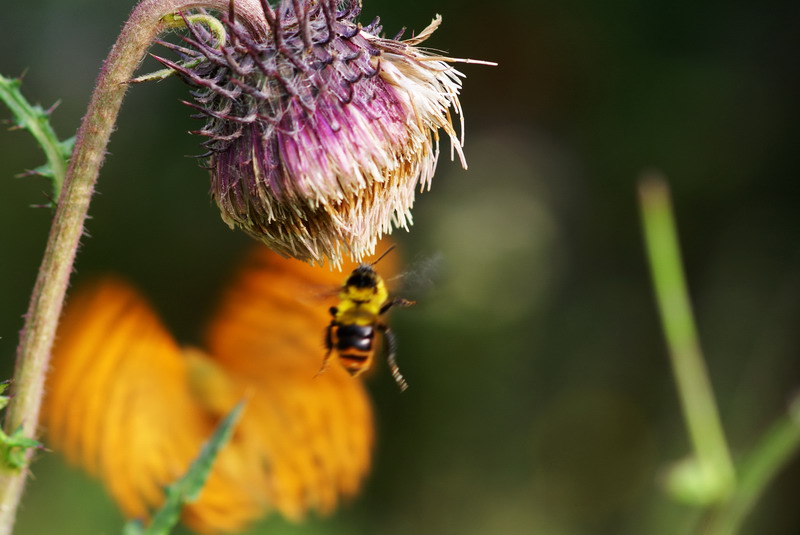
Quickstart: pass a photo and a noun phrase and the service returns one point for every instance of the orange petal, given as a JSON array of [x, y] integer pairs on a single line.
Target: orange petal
[[118, 401]]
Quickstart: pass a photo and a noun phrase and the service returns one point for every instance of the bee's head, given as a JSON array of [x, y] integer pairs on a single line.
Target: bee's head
[[363, 277]]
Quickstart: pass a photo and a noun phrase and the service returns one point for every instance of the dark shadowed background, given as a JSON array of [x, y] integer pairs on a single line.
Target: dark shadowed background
[[541, 397]]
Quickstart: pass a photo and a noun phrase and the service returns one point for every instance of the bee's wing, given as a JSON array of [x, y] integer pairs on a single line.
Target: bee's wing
[[319, 295], [309, 436], [118, 402], [419, 278]]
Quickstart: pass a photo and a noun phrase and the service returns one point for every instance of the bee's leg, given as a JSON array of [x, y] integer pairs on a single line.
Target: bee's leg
[[396, 302], [328, 346], [391, 358]]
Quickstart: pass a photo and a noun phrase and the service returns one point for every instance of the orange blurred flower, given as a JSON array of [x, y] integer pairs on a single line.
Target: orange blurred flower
[[133, 407]]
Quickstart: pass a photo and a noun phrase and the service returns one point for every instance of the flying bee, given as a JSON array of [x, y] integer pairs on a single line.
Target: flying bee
[[363, 300]]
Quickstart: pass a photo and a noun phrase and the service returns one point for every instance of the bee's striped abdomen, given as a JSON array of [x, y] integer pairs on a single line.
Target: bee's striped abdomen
[[355, 346]]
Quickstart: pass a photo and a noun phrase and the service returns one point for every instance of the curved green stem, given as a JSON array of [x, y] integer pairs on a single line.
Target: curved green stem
[[36, 341]]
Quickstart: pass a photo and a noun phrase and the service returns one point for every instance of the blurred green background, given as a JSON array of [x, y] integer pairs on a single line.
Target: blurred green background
[[541, 397]]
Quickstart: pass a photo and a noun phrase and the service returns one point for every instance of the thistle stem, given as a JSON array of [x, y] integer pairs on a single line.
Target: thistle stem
[[36, 340], [694, 388]]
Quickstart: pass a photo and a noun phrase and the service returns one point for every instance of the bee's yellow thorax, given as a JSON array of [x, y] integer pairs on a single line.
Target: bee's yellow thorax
[[361, 306]]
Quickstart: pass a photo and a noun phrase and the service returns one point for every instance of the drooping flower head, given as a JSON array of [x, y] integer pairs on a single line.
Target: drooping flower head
[[320, 130]]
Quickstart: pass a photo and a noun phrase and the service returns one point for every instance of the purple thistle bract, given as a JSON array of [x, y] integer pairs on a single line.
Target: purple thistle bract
[[320, 131]]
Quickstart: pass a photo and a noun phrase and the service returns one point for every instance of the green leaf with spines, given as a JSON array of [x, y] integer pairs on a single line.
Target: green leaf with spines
[[187, 488], [13, 448], [36, 120]]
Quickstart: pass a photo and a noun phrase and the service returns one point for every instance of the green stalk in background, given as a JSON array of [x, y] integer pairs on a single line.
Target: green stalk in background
[[708, 477]]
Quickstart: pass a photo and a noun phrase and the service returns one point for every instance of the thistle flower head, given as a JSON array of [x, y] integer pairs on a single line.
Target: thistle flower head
[[320, 130]]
